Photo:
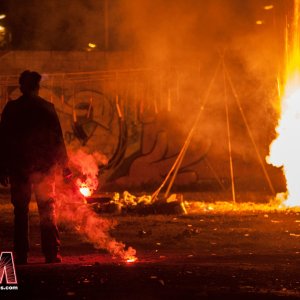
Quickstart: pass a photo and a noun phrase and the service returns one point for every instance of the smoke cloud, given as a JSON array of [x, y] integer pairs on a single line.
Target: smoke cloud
[[74, 212], [185, 38], [191, 37]]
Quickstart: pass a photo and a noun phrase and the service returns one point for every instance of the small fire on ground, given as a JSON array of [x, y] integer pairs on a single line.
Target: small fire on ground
[[85, 189], [131, 259]]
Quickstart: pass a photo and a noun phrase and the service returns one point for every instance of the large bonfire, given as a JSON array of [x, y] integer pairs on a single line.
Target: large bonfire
[[285, 149]]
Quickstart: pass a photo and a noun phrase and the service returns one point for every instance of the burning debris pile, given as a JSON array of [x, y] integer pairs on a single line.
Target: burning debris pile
[[128, 203], [85, 171], [275, 205]]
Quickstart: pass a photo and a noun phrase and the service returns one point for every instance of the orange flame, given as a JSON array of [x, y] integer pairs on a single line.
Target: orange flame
[[131, 259], [85, 190], [285, 149]]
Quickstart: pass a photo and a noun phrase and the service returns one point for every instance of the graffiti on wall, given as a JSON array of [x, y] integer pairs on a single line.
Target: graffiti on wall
[[139, 120], [127, 119]]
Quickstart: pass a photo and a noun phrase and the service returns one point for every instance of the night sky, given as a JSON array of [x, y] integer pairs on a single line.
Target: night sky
[[71, 25]]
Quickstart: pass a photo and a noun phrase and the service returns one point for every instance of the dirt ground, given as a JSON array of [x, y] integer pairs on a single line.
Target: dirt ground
[[208, 255]]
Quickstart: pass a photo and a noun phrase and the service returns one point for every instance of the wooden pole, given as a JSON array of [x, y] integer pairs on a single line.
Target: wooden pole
[[175, 167], [228, 135], [237, 99]]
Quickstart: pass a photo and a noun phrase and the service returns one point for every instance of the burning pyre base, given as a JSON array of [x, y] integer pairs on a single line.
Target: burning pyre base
[[130, 204]]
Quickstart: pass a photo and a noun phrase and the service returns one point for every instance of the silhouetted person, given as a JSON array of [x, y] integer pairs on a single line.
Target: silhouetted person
[[32, 146]]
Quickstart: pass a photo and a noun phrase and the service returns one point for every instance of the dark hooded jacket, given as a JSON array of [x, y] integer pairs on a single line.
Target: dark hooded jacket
[[31, 137]]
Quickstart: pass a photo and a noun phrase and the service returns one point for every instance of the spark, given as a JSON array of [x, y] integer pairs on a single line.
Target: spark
[[92, 45], [268, 7]]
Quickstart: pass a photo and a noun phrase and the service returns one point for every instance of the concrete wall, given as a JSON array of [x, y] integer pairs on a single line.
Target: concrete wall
[[13, 62]]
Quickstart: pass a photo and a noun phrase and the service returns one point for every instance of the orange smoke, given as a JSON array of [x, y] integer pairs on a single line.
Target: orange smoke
[[74, 211]]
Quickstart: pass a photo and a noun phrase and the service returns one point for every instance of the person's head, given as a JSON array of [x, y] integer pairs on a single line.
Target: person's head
[[30, 82]]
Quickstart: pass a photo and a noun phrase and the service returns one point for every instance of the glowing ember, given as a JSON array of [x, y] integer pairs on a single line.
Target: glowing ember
[[268, 7], [285, 150], [223, 207], [131, 259]]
